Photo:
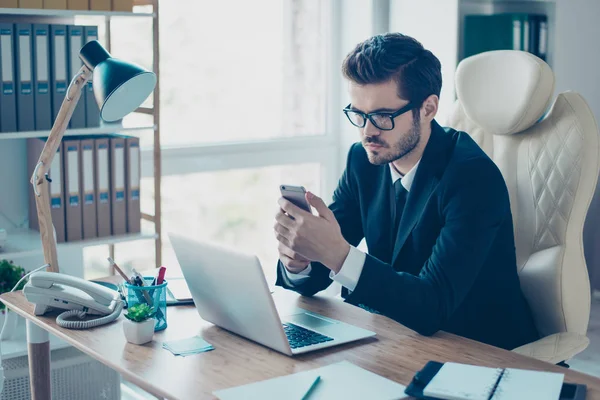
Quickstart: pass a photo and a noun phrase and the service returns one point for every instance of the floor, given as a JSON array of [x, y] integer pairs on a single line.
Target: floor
[[588, 361]]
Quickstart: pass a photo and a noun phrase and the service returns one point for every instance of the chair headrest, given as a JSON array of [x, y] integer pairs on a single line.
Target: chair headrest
[[504, 91]]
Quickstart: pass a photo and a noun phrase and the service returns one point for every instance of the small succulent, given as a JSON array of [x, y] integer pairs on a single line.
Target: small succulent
[[139, 312]]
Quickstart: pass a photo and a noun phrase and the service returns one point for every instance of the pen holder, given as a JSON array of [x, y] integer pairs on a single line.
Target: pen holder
[[155, 296]]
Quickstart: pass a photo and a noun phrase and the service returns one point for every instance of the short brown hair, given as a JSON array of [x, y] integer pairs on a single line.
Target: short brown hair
[[381, 58]]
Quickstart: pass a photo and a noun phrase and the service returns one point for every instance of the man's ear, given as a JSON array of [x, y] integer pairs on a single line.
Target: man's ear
[[429, 108]]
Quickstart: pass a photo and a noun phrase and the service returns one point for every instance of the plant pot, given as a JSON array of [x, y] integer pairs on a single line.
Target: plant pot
[[139, 332], [12, 320]]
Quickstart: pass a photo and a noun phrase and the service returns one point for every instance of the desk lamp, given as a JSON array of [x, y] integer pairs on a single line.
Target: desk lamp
[[119, 88]]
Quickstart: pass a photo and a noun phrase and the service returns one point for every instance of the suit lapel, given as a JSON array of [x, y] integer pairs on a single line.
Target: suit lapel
[[426, 179]]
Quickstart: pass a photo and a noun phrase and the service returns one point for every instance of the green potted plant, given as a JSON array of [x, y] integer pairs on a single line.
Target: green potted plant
[[139, 325], [10, 273]]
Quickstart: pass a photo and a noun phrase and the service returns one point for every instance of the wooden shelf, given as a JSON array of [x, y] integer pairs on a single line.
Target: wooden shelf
[[71, 13], [27, 242], [102, 129]]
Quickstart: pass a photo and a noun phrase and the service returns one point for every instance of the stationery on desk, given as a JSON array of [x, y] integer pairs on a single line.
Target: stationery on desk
[[454, 381], [342, 380], [187, 347]]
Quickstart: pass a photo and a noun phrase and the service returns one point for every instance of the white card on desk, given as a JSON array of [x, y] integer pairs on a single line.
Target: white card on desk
[[520, 384], [342, 380]]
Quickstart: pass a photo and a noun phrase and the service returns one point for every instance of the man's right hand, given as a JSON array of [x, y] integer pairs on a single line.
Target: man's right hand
[[291, 260]]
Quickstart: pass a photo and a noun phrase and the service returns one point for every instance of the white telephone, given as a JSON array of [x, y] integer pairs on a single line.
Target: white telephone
[[54, 290]]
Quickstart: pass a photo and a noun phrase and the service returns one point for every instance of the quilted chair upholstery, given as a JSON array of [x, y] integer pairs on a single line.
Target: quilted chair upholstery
[[548, 152]]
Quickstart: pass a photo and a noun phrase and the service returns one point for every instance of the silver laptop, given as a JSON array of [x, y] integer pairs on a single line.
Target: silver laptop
[[230, 291]]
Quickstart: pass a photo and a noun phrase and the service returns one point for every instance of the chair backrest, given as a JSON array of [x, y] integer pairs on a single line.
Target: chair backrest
[[548, 153]]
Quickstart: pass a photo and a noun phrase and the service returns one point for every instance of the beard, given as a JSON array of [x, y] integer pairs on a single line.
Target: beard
[[395, 151]]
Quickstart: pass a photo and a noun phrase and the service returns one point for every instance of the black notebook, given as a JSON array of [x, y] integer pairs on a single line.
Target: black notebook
[[453, 381]]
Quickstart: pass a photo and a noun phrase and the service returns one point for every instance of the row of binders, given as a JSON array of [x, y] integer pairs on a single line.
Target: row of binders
[[37, 62], [96, 5], [511, 31], [94, 186]]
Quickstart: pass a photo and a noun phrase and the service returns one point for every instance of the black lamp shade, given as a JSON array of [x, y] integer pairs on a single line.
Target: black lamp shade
[[120, 87]]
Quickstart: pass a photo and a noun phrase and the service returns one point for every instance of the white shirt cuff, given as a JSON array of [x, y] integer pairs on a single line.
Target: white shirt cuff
[[300, 277], [351, 269]]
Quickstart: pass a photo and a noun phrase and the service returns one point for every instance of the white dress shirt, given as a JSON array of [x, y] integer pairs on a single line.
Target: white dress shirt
[[355, 260]]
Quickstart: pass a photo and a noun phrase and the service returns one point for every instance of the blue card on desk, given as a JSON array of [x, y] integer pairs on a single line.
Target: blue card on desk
[[189, 346]]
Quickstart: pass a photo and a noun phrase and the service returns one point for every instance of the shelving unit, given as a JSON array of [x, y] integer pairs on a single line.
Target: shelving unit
[[491, 7], [23, 243], [71, 13], [27, 242], [102, 129]]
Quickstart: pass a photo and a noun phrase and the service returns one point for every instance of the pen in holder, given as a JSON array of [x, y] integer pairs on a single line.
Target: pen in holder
[[153, 295]]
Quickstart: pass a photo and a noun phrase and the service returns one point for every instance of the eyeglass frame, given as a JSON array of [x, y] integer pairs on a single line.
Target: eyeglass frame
[[365, 116]]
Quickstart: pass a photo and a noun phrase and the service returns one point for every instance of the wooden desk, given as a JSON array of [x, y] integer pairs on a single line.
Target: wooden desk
[[396, 352]]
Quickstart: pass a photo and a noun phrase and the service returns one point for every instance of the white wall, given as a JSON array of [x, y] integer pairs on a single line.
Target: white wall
[[356, 25], [577, 49], [434, 23], [577, 66]]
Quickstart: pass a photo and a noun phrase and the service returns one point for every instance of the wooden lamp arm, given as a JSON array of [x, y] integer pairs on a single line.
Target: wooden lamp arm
[[39, 179]]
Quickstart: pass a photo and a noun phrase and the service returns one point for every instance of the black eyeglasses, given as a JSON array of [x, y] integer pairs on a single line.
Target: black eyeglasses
[[381, 120]]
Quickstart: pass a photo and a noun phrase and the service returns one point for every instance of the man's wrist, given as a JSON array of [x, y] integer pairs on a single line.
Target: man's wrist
[[336, 257]]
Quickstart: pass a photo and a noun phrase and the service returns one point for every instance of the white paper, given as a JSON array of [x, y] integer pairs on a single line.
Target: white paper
[[41, 48], [463, 382], [76, 44], [520, 384], [342, 380], [25, 58], [103, 170], [6, 45], [119, 169], [60, 63], [73, 173], [134, 165], [88, 171], [56, 176]]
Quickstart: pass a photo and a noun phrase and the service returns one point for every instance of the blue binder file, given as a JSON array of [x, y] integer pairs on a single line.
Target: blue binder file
[[41, 60], [75, 34], [8, 104], [92, 112], [24, 67], [58, 78]]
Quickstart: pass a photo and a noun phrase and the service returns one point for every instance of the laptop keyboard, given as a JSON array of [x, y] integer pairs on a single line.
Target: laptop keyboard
[[301, 337]]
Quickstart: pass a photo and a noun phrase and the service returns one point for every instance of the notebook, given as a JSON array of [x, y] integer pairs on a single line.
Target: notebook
[[342, 380], [178, 292], [469, 382]]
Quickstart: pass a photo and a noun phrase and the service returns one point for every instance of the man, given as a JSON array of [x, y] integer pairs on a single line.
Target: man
[[432, 207]]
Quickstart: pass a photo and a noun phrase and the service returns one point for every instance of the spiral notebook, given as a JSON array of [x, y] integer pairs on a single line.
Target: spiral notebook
[[469, 382]]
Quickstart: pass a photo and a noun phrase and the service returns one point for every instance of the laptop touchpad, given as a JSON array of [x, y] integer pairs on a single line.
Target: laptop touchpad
[[308, 320]]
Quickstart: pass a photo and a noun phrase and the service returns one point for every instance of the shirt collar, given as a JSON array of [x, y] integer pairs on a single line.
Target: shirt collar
[[407, 179]]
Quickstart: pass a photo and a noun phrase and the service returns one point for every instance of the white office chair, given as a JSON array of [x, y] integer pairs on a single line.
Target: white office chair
[[550, 166]]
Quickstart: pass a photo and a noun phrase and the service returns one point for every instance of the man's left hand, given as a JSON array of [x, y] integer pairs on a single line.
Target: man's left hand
[[316, 237]]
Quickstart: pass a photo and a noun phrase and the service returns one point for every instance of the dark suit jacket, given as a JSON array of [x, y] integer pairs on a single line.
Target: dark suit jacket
[[453, 264]]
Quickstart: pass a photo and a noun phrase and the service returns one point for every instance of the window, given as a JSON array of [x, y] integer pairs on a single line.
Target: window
[[247, 104], [232, 207], [256, 73]]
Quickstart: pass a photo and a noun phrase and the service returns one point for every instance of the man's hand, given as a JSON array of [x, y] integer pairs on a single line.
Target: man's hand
[[311, 237], [292, 261]]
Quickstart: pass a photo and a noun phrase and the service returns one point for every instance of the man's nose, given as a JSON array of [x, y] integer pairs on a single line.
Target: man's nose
[[370, 129]]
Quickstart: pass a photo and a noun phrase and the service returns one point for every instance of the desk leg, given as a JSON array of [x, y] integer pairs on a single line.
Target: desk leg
[[38, 345]]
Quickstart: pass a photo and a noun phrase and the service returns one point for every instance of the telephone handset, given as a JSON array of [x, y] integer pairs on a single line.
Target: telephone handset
[[54, 290]]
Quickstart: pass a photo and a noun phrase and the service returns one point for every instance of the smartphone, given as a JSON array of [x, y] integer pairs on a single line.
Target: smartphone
[[296, 195]]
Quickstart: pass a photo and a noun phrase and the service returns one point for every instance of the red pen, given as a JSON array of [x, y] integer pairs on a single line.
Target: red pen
[[161, 275]]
